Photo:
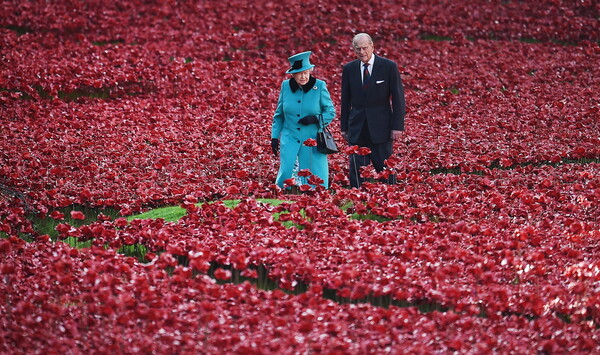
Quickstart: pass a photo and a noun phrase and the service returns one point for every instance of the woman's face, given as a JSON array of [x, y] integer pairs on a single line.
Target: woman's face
[[302, 77]]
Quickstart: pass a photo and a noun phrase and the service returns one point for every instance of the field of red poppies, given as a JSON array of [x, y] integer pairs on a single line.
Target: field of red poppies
[[488, 244]]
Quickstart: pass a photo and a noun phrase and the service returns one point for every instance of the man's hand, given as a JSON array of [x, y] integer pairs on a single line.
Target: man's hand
[[397, 135]]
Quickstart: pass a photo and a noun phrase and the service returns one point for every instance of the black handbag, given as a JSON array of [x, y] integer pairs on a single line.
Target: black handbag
[[325, 142]]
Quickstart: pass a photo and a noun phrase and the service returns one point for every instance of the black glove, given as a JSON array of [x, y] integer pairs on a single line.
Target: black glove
[[275, 146], [308, 120]]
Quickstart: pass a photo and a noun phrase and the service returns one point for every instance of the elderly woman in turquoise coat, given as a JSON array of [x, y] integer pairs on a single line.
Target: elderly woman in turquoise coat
[[303, 99]]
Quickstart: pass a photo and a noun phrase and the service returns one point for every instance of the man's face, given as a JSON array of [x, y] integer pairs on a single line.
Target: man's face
[[363, 49]]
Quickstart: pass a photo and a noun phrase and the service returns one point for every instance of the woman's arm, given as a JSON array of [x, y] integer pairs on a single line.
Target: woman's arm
[[278, 116], [327, 108]]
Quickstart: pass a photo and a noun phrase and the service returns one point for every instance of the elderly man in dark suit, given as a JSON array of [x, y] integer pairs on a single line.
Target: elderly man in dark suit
[[373, 107]]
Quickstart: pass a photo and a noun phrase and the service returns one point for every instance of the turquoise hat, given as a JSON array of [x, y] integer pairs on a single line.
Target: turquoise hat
[[299, 62]]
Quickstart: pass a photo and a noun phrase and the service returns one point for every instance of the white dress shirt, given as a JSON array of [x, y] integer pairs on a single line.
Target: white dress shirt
[[362, 68]]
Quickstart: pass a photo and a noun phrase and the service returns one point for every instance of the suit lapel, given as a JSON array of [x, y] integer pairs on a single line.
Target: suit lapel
[[357, 74], [377, 69]]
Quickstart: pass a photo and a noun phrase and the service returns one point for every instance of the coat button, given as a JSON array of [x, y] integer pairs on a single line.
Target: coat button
[[298, 128], [298, 115], [298, 101]]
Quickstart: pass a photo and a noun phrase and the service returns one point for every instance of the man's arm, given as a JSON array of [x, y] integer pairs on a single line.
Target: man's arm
[[398, 100]]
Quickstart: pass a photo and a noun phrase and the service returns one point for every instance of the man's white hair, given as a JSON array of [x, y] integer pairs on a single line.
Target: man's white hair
[[360, 36]]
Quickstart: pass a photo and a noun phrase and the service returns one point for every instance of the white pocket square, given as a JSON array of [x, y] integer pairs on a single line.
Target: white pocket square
[[379, 81]]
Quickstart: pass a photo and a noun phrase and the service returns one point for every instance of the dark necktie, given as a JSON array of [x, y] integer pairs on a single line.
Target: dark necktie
[[366, 76]]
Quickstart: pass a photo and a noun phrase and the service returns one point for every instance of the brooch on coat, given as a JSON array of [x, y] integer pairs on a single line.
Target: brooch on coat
[[315, 87]]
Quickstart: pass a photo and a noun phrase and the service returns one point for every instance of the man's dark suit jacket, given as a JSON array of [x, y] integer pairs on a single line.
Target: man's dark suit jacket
[[381, 105]]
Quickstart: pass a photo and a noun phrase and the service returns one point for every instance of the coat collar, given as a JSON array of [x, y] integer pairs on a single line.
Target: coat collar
[[375, 62], [306, 88]]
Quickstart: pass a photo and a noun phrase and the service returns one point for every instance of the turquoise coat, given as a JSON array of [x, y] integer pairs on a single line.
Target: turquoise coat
[[296, 102]]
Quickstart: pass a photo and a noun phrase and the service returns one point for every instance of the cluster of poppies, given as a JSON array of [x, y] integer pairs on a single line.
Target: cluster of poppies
[[504, 243], [129, 105], [96, 301]]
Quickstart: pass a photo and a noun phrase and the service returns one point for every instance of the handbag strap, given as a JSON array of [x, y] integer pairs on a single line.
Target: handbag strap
[[322, 123]]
